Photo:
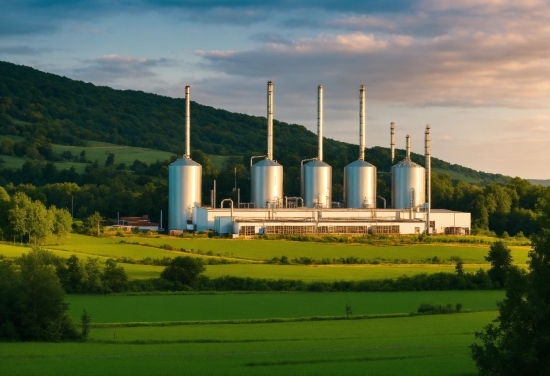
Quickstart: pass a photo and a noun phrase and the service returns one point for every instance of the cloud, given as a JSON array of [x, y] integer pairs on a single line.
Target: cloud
[[112, 69], [20, 50], [501, 61], [46, 16]]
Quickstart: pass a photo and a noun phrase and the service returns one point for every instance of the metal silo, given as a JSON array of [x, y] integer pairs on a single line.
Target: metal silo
[[360, 176], [317, 175], [407, 182], [266, 176], [184, 180]]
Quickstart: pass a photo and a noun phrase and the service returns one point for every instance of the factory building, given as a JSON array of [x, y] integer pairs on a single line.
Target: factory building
[[270, 212]]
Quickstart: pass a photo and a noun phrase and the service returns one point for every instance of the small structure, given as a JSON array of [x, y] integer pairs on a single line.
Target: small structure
[[143, 223]]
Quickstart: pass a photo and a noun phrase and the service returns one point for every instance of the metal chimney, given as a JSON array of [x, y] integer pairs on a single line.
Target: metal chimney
[[187, 122], [392, 141], [362, 123], [270, 120], [428, 166], [320, 122], [408, 148]]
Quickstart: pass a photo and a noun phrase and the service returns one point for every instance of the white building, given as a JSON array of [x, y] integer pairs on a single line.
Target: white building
[[329, 221]]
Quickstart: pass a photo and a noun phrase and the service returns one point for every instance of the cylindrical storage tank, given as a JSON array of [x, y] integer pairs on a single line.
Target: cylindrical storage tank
[[184, 192], [360, 185], [266, 179], [407, 185], [317, 185]]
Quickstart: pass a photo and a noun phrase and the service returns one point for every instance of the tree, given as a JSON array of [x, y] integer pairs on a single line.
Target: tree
[[93, 283], [92, 224], [501, 261], [62, 222], [18, 214], [110, 160], [41, 307], [114, 277], [518, 343], [459, 268], [185, 270], [85, 321], [39, 222]]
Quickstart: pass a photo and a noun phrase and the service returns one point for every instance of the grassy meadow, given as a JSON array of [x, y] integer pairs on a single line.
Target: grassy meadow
[[248, 257], [265, 333], [412, 345], [248, 306]]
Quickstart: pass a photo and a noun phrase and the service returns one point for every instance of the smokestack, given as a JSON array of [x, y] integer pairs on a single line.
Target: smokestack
[[392, 141], [320, 122], [187, 121], [408, 147], [428, 162], [270, 120], [362, 123]]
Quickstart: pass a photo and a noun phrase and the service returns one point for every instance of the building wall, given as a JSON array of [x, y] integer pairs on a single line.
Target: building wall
[[409, 222]]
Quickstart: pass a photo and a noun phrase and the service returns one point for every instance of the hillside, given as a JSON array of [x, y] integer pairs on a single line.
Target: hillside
[[36, 105]]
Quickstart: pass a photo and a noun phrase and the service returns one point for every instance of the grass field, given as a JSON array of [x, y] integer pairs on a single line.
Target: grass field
[[419, 345], [266, 250], [95, 151], [252, 253], [232, 306]]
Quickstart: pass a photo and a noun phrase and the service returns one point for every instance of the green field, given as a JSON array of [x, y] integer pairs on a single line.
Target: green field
[[94, 151], [251, 255], [419, 345], [263, 250], [232, 306]]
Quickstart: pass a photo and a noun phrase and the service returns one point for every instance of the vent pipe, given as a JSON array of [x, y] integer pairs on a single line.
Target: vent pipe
[[408, 148], [320, 122], [187, 122], [270, 120], [392, 141], [362, 123], [428, 162]]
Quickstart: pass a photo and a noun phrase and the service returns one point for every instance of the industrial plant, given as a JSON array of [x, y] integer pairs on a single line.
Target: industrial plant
[[270, 212]]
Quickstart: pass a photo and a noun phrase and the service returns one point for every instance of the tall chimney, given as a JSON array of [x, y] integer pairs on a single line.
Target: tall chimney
[[408, 147], [392, 141], [270, 120], [362, 123], [187, 121], [320, 122], [428, 161]]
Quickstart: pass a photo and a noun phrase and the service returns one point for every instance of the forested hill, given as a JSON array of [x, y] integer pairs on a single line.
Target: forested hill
[[40, 105]]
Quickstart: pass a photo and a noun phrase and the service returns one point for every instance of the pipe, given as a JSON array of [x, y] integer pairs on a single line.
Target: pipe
[[408, 148], [256, 156], [221, 206], [214, 206], [320, 122], [187, 121], [270, 120], [362, 123], [392, 141], [428, 162], [383, 199]]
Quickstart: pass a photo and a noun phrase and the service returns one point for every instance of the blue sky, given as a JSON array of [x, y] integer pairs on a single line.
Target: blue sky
[[477, 70]]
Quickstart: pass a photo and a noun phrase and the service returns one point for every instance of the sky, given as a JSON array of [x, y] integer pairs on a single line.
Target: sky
[[478, 71]]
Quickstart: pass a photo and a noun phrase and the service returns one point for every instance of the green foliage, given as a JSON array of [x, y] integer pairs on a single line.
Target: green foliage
[[518, 343], [62, 222], [501, 261], [114, 277], [434, 309], [185, 270], [32, 302], [92, 224], [85, 321]]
